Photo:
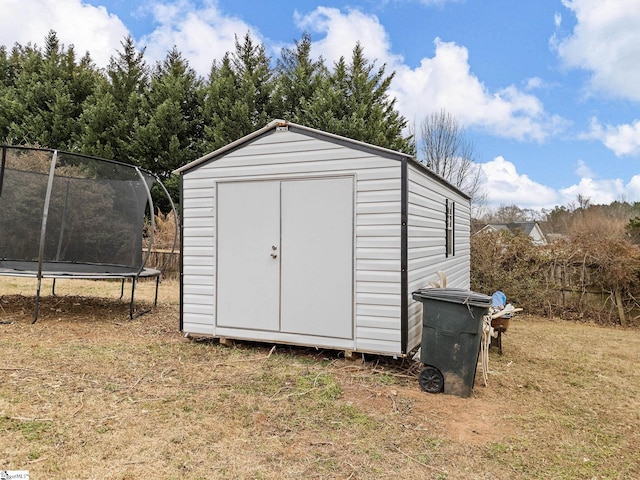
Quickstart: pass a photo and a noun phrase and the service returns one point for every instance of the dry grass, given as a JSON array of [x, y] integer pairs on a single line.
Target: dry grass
[[87, 393]]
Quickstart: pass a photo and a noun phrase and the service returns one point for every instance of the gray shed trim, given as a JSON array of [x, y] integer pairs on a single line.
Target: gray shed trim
[[404, 257]]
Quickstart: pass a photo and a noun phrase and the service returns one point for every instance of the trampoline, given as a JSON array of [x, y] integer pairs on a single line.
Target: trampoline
[[67, 215]]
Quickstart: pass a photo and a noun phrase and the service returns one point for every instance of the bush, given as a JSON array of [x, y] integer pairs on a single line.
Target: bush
[[586, 276], [511, 263]]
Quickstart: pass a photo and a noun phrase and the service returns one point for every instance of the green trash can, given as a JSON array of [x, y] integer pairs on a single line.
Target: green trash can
[[451, 335]]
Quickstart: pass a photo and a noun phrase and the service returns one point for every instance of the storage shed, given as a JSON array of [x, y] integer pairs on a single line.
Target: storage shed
[[297, 236]]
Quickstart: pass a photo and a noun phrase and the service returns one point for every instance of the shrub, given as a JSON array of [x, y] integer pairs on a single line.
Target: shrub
[[586, 276]]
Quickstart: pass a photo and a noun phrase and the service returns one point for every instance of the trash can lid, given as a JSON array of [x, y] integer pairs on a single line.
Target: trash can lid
[[455, 295]]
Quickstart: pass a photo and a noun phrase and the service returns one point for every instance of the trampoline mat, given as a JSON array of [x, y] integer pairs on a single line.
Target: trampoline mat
[[19, 268]]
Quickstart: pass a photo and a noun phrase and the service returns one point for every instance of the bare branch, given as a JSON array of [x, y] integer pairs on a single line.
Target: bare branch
[[444, 150]]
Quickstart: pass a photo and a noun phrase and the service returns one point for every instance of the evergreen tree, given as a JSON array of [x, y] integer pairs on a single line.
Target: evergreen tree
[[19, 99], [168, 132], [328, 109], [48, 93], [8, 104], [355, 103], [5, 68], [298, 78], [239, 94], [255, 81], [109, 115], [223, 110], [100, 125]]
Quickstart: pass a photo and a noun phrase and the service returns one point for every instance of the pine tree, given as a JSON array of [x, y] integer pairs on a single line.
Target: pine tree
[[239, 94], [298, 78], [8, 103], [168, 131], [109, 116], [355, 103], [223, 110], [47, 94]]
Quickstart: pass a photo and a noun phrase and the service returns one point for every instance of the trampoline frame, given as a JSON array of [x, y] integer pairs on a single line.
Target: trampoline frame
[[41, 269]]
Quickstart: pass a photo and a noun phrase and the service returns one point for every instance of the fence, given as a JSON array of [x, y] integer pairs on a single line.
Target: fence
[[165, 257], [576, 288]]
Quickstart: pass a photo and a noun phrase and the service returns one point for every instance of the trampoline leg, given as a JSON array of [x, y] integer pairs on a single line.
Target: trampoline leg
[[133, 292], [53, 287], [37, 307], [122, 289], [133, 314], [155, 300]]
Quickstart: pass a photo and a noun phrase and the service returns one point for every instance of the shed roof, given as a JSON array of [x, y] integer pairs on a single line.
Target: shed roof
[[276, 124]]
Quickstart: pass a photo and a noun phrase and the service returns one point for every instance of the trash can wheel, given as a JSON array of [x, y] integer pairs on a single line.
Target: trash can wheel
[[431, 380]]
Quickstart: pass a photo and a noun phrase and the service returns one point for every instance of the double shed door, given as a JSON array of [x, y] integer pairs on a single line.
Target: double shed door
[[285, 256]]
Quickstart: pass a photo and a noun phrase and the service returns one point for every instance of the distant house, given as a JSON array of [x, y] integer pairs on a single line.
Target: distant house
[[529, 228]]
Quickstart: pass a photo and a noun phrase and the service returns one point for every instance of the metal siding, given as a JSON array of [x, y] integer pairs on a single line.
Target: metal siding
[[426, 241], [378, 301], [198, 255]]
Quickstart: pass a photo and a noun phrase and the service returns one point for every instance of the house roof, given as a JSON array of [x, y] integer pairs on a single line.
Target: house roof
[[277, 124], [526, 227]]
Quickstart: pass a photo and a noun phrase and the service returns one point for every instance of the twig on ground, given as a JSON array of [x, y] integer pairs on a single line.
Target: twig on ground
[[295, 394], [273, 349], [419, 462], [78, 409], [166, 370]]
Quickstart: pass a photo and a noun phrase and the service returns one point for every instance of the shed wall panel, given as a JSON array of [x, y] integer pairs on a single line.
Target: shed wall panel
[[427, 198]]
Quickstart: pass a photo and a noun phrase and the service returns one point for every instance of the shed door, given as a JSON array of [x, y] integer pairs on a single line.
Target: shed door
[[285, 256], [317, 253], [248, 275]]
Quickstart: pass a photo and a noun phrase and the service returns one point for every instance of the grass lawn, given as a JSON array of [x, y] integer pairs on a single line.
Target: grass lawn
[[87, 393]]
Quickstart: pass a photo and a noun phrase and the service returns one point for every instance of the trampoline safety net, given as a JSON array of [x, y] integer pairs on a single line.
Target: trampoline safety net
[[78, 212]]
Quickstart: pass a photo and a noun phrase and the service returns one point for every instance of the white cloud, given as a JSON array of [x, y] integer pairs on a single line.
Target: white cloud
[[505, 186], [446, 82], [557, 19], [633, 189], [201, 35], [597, 191], [600, 191], [442, 82], [534, 83], [583, 170], [86, 27], [621, 139], [606, 42], [343, 30]]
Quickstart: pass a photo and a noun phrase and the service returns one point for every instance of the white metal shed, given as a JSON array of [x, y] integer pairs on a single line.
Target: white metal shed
[[298, 236]]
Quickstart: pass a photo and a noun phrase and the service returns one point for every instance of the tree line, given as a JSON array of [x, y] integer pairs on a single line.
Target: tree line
[[160, 117], [619, 219]]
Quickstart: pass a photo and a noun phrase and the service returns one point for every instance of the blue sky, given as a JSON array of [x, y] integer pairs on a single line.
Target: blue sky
[[548, 90]]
